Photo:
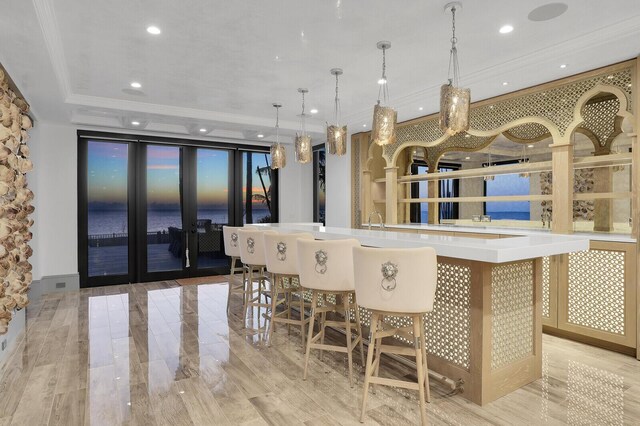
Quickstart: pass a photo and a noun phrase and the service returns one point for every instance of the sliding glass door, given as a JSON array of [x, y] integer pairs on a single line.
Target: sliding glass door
[[153, 211]]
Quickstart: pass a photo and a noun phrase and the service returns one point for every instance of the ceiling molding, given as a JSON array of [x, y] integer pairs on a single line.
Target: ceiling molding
[[191, 113], [574, 47], [49, 26]]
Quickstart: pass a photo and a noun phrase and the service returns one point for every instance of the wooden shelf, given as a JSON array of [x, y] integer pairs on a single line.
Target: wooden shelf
[[541, 166], [380, 180]]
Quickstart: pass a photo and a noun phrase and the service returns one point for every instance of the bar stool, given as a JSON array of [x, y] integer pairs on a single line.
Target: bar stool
[[401, 283], [281, 255], [251, 242], [232, 249], [326, 268]]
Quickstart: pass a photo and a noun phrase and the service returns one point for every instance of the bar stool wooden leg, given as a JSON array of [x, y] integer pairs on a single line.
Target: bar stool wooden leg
[[347, 326], [314, 303], [359, 326], [247, 296], [368, 369], [274, 303], [303, 329], [323, 319], [417, 333], [233, 272], [378, 356], [423, 346]]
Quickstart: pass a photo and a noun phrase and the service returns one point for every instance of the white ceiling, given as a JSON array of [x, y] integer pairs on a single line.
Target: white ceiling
[[214, 64]]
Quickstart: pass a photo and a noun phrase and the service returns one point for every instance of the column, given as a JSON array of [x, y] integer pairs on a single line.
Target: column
[[562, 197], [391, 216]]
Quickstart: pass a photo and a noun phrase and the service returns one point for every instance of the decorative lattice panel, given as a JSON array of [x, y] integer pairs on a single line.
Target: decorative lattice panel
[[594, 396], [555, 104], [512, 307], [599, 118], [527, 132], [448, 326], [546, 272], [596, 292]]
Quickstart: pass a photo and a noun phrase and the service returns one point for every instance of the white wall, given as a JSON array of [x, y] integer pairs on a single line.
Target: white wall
[[338, 184], [54, 182], [295, 190]]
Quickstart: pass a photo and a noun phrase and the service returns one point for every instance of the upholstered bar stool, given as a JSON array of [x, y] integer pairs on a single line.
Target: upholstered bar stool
[[399, 283], [232, 249], [326, 268], [251, 243], [281, 255]]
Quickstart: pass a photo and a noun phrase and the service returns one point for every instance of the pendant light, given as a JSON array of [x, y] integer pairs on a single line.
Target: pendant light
[[336, 135], [383, 130], [278, 155], [454, 101], [303, 140], [489, 177], [524, 161]]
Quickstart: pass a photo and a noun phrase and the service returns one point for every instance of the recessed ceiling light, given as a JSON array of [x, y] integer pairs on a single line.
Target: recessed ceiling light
[[136, 85], [203, 130], [563, 66], [506, 29], [467, 158], [135, 123], [505, 83], [314, 111], [420, 109], [260, 135], [530, 146], [152, 29], [364, 125], [382, 81]]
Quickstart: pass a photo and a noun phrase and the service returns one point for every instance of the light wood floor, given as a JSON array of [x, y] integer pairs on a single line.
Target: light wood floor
[[163, 354]]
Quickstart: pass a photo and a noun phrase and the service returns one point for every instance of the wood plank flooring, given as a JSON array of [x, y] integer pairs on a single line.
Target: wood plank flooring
[[162, 354]]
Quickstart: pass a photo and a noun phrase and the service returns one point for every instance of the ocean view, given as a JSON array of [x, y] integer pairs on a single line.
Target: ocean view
[[115, 221]]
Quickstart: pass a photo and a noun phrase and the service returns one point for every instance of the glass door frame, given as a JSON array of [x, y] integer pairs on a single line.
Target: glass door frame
[[136, 168]]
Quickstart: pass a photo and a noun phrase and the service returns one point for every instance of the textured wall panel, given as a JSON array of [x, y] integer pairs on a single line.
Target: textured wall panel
[[512, 307], [597, 290], [546, 265]]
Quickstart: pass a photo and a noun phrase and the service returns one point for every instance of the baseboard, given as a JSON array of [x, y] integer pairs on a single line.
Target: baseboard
[[8, 341], [53, 284]]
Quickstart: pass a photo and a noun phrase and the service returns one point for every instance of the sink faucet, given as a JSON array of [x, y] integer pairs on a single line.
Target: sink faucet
[[379, 217]]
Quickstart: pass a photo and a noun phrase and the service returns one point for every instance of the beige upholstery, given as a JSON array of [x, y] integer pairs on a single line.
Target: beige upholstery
[[284, 261], [398, 282], [338, 269], [251, 242], [231, 247], [281, 255], [415, 281], [326, 269]]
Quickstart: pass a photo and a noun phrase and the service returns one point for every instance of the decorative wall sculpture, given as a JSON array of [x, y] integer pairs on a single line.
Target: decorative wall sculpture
[[15, 203]]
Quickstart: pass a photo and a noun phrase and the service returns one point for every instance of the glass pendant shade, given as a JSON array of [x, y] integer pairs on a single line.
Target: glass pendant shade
[[337, 140], [302, 146], [383, 130], [303, 149], [454, 109], [278, 156]]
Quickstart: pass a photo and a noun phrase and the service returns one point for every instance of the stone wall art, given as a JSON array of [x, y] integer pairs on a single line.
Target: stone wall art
[[15, 203]]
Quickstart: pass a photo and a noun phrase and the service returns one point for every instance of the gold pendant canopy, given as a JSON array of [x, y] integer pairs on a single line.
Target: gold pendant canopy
[[278, 156], [303, 149], [337, 140], [454, 109], [383, 130]]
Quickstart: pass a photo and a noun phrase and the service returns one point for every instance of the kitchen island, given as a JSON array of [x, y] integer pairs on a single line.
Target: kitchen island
[[485, 330]]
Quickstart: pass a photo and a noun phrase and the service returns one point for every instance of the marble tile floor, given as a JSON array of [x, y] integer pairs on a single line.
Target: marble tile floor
[[158, 353]]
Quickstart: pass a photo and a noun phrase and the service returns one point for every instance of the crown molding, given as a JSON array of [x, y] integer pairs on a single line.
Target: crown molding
[[53, 42]]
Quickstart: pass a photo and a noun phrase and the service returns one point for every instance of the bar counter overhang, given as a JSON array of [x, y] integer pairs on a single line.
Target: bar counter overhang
[[485, 330]]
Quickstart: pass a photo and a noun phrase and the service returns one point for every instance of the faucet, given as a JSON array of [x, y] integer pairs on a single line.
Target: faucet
[[379, 217], [546, 219]]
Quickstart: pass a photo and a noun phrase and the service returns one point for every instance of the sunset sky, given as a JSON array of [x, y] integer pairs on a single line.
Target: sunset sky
[[107, 174]]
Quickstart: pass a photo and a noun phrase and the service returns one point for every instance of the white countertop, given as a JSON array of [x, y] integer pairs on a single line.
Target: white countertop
[[484, 229], [478, 249]]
